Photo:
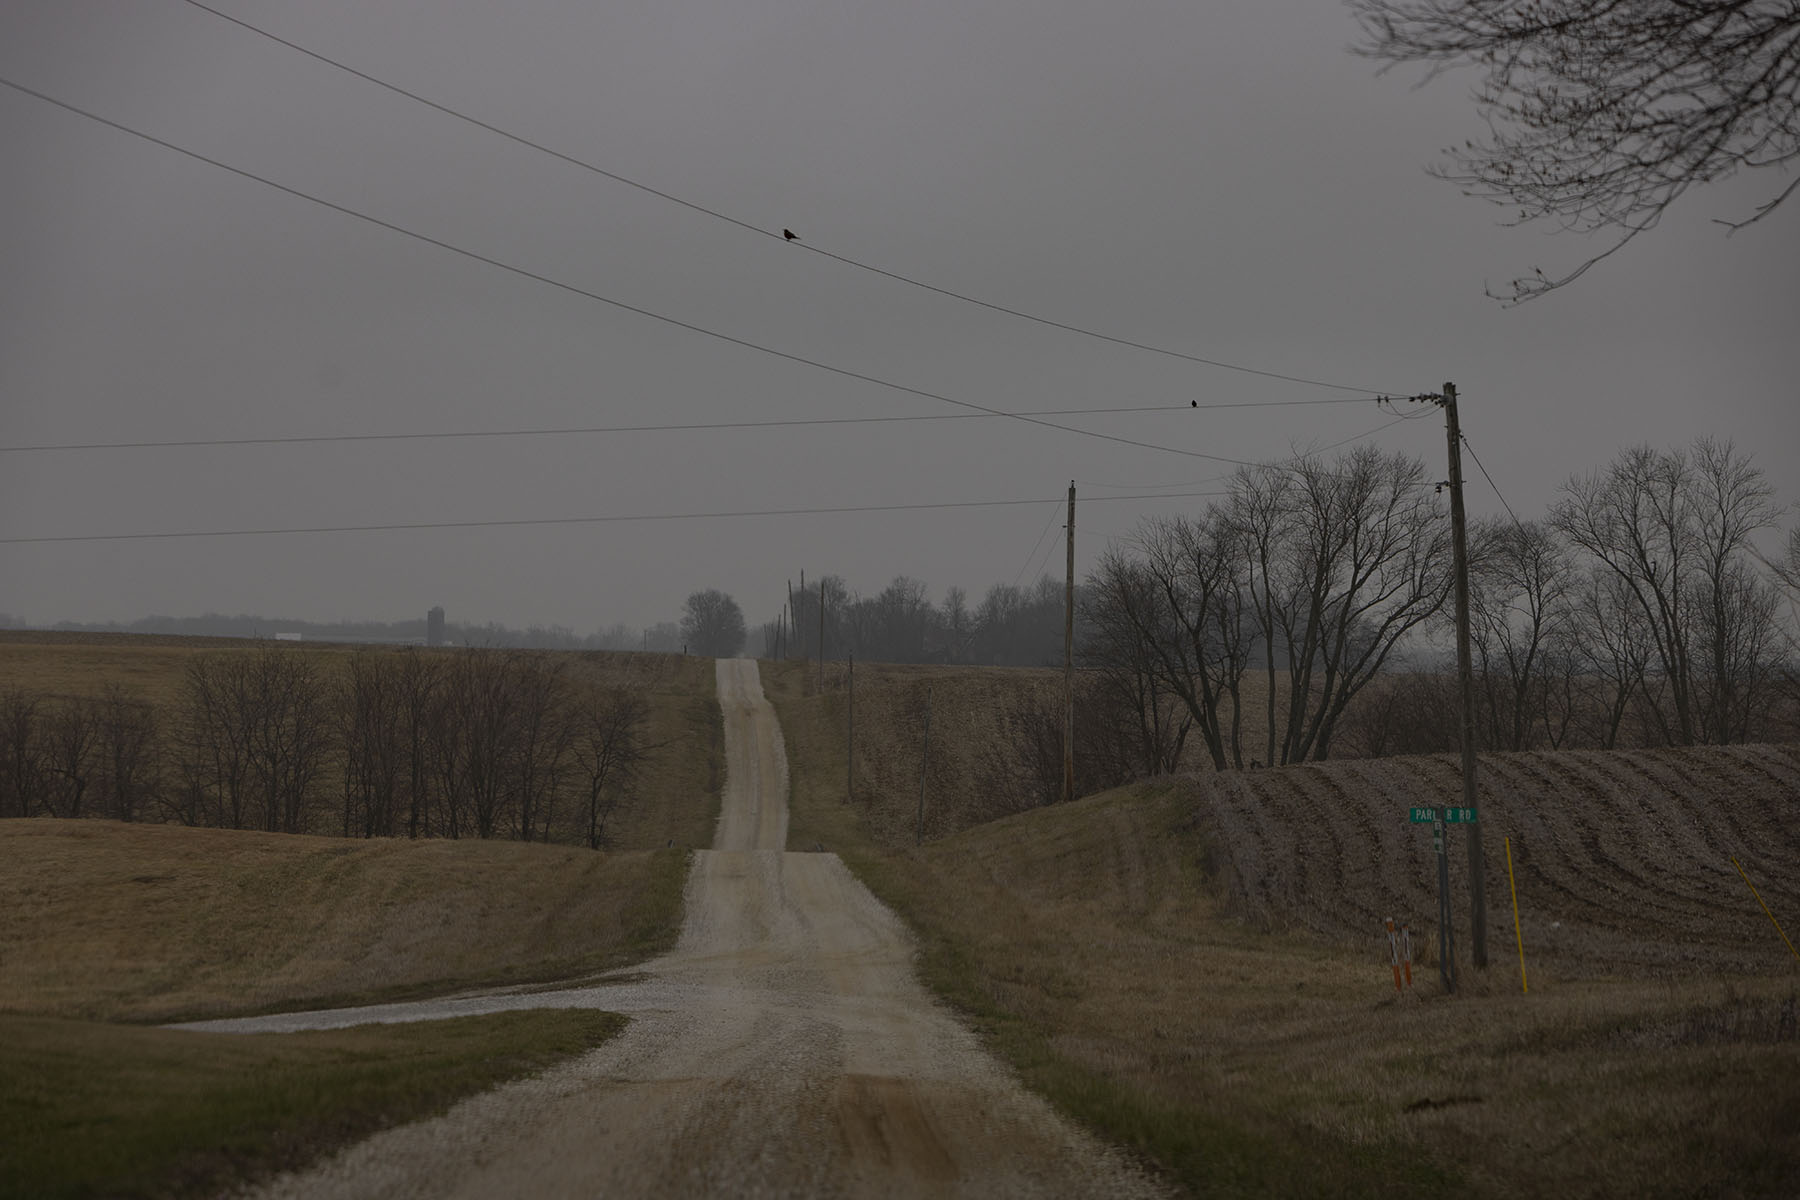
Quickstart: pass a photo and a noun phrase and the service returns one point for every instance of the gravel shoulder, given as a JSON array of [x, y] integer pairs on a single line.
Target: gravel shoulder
[[783, 1048]]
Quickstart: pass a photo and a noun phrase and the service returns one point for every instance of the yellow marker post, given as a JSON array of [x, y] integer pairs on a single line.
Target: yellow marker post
[[1518, 935], [1765, 908]]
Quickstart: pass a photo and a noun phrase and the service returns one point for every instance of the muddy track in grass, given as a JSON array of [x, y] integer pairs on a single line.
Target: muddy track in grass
[[783, 1049]]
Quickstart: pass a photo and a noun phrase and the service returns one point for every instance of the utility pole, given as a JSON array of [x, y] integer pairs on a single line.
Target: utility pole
[[1465, 671], [821, 634], [924, 761], [850, 771], [1068, 789]]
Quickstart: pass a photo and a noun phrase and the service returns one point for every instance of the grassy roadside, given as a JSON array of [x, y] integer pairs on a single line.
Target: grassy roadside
[[1091, 948], [92, 1109], [162, 923]]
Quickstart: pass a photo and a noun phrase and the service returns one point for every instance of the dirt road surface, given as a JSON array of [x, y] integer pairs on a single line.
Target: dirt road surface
[[783, 1049]]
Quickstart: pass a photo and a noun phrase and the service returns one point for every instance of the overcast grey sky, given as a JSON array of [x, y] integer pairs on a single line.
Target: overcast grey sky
[[1219, 178]]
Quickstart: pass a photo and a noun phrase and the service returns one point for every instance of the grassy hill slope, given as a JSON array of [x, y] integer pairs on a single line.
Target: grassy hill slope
[[158, 922], [1195, 967]]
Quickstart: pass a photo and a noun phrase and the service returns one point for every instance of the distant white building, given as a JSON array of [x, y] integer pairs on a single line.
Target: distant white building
[[287, 637]]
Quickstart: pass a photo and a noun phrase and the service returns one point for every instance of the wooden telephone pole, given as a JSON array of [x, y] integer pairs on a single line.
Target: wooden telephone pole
[[1068, 788], [1465, 675]]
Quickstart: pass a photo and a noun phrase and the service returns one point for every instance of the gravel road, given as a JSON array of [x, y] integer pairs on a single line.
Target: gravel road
[[782, 1049]]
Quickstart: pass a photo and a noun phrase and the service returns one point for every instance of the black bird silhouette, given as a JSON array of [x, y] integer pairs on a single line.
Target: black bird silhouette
[[790, 235]]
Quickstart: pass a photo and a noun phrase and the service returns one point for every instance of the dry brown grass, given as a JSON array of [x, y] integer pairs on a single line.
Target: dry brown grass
[[153, 923], [83, 664], [1114, 951]]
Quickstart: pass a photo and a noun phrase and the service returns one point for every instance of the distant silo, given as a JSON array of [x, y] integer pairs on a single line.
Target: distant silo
[[434, 627]]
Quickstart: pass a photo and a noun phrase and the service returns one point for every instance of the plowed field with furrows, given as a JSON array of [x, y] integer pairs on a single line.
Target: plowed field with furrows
[[1623, 858]]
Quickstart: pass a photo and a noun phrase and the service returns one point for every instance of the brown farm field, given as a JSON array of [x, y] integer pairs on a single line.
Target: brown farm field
[[1196, 966]]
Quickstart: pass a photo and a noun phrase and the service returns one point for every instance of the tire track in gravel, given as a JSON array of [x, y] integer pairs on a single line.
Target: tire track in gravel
[[782, 1049]]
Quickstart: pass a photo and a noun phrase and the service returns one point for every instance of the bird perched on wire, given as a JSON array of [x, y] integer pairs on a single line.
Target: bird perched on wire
[[790, 235]]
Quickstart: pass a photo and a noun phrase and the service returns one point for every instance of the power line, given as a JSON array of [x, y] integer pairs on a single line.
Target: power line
[[1491, 483], [775, 423], [619, 304], [1032, 553], [602, 520], [768, 233]]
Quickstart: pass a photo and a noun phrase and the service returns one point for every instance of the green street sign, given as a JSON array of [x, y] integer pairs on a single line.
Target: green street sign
[[1449, 816]]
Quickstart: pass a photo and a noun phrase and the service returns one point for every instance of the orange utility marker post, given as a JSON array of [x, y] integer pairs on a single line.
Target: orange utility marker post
[[1765, 908], [1400, 953], [1518, 934]]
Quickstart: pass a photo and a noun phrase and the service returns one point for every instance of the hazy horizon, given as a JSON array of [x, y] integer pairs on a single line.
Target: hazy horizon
[[1224, 181]]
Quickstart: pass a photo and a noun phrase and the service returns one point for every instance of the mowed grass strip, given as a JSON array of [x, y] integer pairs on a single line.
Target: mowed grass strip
[[1094, 949], [92, 1109], [162, 923]]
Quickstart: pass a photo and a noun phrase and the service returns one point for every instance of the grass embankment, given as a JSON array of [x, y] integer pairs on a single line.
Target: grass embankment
[[1098, 952], [163, 923], [92, 1109]]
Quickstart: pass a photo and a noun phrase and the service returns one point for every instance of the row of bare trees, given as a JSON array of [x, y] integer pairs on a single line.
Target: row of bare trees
[[1010, 626], [465, 743], [1636, 611]]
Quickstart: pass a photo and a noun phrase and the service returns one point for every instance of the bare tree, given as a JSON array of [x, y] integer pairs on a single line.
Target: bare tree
[[1362, 559], [254, 739], [609, 752], [371, 714], [1123, 606], [129, 751], [712, 625], [214, 742], [290, 735], [1520, 578], [1674, 529], [416, 685], [902, 618], [1602, 114], [1196, 632], [540, 754], [956, 624], [72, 741], [22, 753]]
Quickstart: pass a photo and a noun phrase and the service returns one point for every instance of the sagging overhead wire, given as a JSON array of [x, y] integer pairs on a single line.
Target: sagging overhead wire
[[778, 235], [672, 427], [614, 519], [549, 281]]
